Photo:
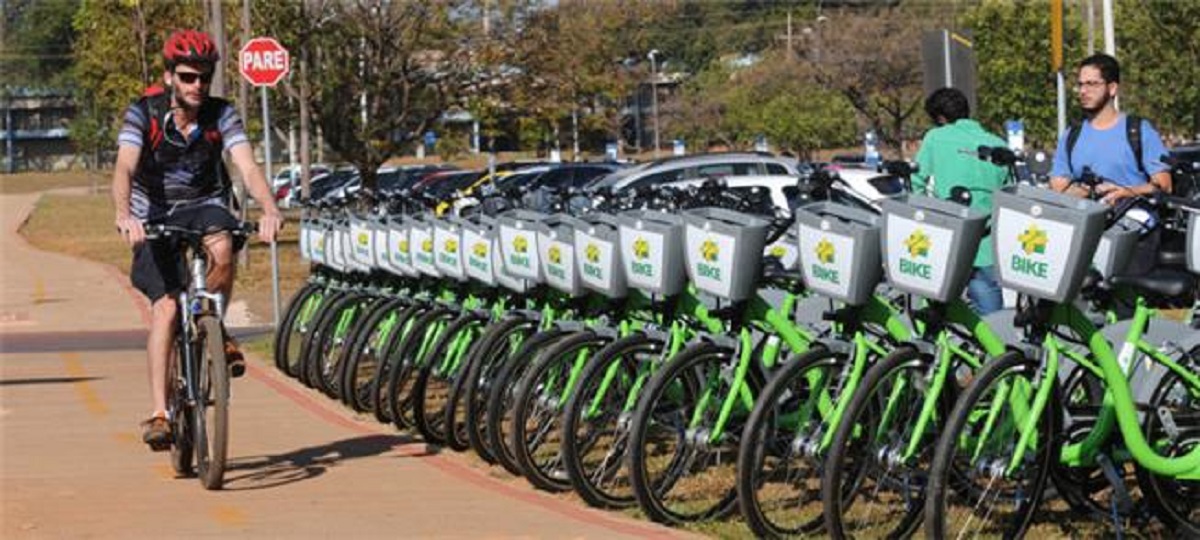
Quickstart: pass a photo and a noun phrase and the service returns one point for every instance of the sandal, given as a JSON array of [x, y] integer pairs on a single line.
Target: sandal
[[233, 356]]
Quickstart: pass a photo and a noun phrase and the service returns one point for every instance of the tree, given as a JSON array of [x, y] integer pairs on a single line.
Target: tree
[[1155, 70], [37, 44], [873, 61]]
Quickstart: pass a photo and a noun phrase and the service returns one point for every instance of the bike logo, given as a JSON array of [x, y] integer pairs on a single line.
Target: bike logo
[[1033, 240], [427, 245], [364, 239], [917, 244], [710, 251], [778, 252], [521, 244], [480, 249], [555, 255], [450, 246], [825, 252], [641, 248], [404, 246], [593, 253]]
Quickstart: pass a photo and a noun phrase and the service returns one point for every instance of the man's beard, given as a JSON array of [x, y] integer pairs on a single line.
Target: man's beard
[[1093, 111]]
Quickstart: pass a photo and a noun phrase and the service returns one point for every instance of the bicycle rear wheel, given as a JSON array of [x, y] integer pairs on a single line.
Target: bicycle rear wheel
[[980, 440], [498, 342], [290, 335], [211, 413], [1175, 501]]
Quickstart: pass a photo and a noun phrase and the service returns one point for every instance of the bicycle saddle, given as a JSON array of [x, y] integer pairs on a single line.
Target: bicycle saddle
[[1162, 282]]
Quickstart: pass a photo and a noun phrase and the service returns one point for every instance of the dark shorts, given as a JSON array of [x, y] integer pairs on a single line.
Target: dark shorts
[[158, 267]]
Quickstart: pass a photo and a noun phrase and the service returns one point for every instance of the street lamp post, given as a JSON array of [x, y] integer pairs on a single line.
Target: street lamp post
[[654, 96]]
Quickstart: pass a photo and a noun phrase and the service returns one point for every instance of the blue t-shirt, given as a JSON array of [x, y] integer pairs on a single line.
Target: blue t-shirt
[[1108, 154]]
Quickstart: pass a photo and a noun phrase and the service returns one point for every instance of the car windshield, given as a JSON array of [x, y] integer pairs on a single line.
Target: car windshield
[[451, 183], [611, 180]]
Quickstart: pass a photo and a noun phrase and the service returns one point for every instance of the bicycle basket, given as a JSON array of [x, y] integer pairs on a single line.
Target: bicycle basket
[[652, 251], [338, 257], [503, 277], [556, 248], [1194, 243], [306, 240], [378, 244], [1116, 247], [477, 240], [785, 250], [597, 247], [929, 245], [362, 250], [839, 251], [1044, 240], [420, 241], [518, 243], [724, 251], [321, 244], [399, 250], [447, 242]]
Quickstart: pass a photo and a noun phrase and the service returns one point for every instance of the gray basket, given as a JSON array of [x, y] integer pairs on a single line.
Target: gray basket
[[652, 251], [929, 245], [378, 245], [477, 243], [556, 248], [1044, 240], [306, 240], [518, 243], [399, 251], [839, 251], [339, 256], [420, 242], [1116, 247], [785, 250], [362, 248], [447, 243], [724, 251], [505, 279], [598, 249], [321, 243], [1194, 243]]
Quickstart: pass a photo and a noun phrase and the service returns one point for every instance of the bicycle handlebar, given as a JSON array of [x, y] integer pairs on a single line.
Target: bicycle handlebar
[[162, 231]]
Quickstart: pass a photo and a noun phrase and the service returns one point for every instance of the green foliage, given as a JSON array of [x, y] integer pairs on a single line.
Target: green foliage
[[37, 49], [1158, 43]]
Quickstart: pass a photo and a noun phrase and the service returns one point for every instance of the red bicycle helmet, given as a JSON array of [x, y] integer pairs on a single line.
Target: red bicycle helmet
[[190, 46]]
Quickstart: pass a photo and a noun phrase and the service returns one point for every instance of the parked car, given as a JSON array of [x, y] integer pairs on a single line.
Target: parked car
[[716, 165]]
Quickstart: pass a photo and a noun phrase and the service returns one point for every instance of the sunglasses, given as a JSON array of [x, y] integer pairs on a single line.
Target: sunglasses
[[187, 77]]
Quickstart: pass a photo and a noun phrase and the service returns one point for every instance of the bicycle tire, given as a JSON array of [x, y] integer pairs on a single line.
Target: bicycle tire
[[503, 392], [212, 415], [431, 387], [410, 354], [181, 417], [300, 331], [700, 366], [377, 390], [848, 476], [329, 362], [604, 483], [494, 348], [362, 356], [322, 325], [538, 405], [1175, 502], [285, 334], [955, 437]]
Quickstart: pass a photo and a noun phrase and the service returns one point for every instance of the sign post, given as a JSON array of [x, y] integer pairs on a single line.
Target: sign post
[[263, 63]]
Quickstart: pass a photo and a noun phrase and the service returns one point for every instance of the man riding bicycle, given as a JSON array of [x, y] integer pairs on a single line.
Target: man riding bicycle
[[169, 169]]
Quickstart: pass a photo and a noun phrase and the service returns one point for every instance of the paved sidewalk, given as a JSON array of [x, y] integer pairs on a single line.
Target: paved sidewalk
[[72, 389]]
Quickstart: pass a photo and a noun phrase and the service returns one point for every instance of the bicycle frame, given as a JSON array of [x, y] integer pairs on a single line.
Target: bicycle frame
[[1118, 402]]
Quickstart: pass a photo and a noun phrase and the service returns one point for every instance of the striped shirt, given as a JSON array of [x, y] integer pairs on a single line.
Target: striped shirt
[[183, 171]]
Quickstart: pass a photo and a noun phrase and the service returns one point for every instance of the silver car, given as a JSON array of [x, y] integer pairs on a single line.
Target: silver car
[[718, 165]]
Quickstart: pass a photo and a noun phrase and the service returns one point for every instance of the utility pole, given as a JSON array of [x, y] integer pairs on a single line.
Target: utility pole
[[790, 51], [243, 86], [654, 96], [216, 27], [1091, 18]]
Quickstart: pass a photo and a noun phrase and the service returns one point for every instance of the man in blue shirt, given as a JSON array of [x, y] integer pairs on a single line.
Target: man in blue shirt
[[1103, 146]]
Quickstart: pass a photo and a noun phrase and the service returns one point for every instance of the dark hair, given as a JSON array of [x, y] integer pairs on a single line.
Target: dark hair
[[1109, 68], [948, 103]]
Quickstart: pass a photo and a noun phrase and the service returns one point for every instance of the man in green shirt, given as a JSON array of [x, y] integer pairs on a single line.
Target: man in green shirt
[[947, 159]]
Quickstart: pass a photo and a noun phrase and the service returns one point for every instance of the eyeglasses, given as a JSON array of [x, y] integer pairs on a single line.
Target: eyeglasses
[[189, 77], [1079, 85]]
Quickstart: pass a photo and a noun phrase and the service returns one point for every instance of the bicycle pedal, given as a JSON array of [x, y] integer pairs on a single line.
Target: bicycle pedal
[[159, 446]]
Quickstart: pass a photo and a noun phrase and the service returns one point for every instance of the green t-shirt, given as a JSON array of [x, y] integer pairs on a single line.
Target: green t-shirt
[[947, 158]]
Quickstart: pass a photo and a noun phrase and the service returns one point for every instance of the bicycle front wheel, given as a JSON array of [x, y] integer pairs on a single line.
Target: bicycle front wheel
[[986, 496], [682, 469], [210, 427]]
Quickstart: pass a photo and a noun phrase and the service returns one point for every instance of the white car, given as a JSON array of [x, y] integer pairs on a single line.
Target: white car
[[865, 186]]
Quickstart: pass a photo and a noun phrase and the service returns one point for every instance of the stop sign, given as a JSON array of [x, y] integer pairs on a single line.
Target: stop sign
[[263, 61]]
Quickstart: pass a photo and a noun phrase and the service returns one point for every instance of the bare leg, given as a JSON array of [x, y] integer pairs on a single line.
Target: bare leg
[[163, 313], [221, 270]]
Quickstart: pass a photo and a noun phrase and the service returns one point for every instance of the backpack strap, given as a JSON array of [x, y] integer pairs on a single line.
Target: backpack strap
[[1133, 134], [1072, 138]]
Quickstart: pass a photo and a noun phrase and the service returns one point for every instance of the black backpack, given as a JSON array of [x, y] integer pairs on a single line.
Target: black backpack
[[155, 103], [1133, 135]]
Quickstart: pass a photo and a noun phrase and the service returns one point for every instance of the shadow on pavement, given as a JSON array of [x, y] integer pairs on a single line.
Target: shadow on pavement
[[263, 472], [47, 380]]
